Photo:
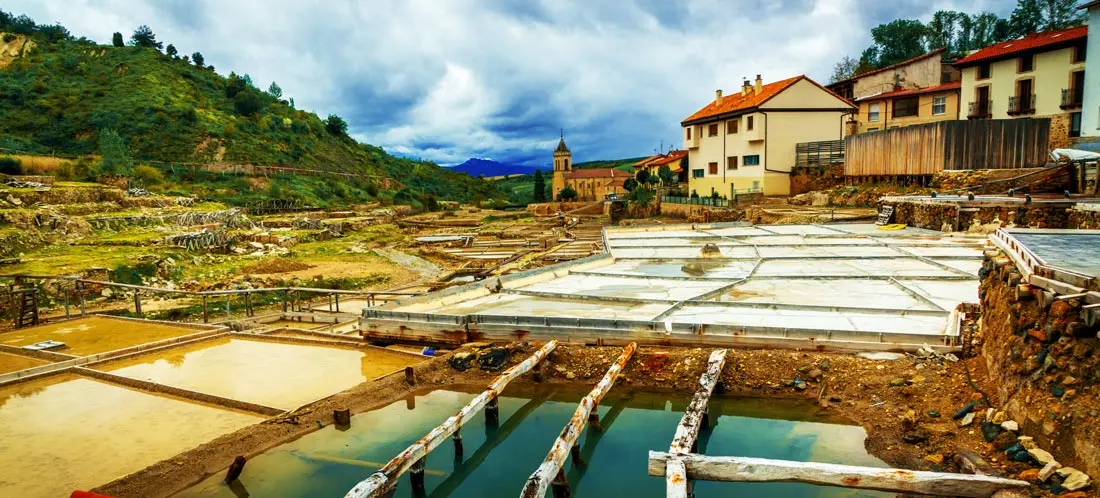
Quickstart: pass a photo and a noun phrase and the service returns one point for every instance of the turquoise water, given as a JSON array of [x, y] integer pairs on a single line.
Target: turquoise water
[[497, 461]]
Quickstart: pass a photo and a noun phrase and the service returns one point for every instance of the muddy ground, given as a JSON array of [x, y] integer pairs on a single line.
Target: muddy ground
[[891, 399]]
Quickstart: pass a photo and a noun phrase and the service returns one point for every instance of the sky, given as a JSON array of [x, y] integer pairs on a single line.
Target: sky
[[447, 80]]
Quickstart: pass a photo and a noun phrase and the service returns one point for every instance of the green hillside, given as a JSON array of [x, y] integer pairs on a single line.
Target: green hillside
[[60, 93], [619, 164]]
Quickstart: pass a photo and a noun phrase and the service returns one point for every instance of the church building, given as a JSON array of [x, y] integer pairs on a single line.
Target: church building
[[590, 184]]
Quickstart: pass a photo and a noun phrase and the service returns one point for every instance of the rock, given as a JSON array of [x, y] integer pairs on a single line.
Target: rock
[[462, 361], [1040, 455], [898, 382], [934, 413], [1004, 441], [1048, 470], [934, 458], [916, 379], [1019, 455], [570, 375], [787, 382], [835, 399], [815, 374], [1038, 335], [1059, 309], [1069, 380], [800, 384], [1076, 480], [1030, 475], [1074, 494], [914, 437], [990, 431], [1057, 391], [1027, 442], [824, 365], [999, 417], [880, 356], [1010, 425], [966, 420], [107, 292], [969, 407]]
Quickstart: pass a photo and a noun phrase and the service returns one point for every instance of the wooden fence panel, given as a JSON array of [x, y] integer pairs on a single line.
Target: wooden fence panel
[[948, 145]]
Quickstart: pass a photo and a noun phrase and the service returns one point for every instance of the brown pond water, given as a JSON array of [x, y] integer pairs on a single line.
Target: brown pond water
[[94, 334], [67, 432], [272, 374], [14, 363]]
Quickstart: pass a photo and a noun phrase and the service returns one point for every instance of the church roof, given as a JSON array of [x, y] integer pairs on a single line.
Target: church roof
[[597, 173], [561, 146]]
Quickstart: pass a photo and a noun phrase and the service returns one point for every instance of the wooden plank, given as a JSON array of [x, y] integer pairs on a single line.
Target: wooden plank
[[380, 482], [688, 430], [676, 480], [539, 481], [744, 469]]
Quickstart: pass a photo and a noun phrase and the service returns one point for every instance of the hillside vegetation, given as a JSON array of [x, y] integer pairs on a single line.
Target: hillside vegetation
[[58, 94], [521, 189]]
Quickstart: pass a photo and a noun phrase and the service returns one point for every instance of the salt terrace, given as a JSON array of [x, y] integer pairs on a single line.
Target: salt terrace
[[838, 286]]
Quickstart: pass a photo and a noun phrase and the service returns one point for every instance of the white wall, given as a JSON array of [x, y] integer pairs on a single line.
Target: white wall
[[1090, 112]]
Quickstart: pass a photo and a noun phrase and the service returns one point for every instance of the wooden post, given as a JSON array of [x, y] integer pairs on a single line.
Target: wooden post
[[235, 469], [248, 304], [337, 297], [66, 302], [696, 416], [492, 412], [416, 475], [541, 479], [342, 417], [80, 290], [410, 376], [228, 314], [330, 303], [744, 469], [205, 317], [385, 478], [457, 438], [282, 294], [137, 304], [560, 485], [537, 372]]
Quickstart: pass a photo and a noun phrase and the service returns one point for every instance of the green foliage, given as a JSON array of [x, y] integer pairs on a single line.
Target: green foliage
[[898, 40], [694, 194], [642, 176], [275, 91], [170, 50], [567, 194], [642, 196], [247, 103], [630, 184], [11, 166], [148, 175], [336, 125], [144, 37], [665, 174], [198, 59], [116, 40], [116, 159], [539, 193], [429, 202]]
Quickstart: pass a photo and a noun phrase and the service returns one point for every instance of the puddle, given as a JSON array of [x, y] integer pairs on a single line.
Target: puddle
[[518, 305], [67, 432], [14, 363], [497, 461], [272, 374], [95, 334]]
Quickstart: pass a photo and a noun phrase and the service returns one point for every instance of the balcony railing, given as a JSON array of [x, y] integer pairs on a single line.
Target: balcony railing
[[1021, 104], [1072, 98], [980, 109]]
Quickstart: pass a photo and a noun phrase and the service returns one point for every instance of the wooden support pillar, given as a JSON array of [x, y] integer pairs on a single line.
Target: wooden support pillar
[[66, 303], [492, 412], [537, 372], [559, 487], [248, 304], [337, 298], [416, 475], [594, 421], [575, 454], [80, 291], [282, 294], [342, 417], [705, 421], [235, 469], [228, 314], [205, 316], [330, 303], [457, 438], [410, 376], [137, 304]]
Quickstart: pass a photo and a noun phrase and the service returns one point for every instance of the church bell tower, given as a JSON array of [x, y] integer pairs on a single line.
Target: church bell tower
[[563, 163]]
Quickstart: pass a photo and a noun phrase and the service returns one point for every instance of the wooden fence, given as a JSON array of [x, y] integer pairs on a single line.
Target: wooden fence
[[949, 145]]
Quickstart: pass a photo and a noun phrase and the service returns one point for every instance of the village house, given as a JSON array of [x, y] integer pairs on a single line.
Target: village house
[[674, 159], [923, 71], [590, 184], [746, 141], [1090, 113], [1039, 75], [904, 107]]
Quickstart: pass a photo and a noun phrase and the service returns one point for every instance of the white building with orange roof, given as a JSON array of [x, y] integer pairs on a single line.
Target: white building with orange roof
[[746, 141]]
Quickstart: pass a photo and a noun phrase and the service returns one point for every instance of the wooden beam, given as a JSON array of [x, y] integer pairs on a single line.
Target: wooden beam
[[380, 482], [676, 480], [540, 480], [744, 469]]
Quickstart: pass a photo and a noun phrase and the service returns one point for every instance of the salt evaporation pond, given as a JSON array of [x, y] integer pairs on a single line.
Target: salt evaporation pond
[[497, 461]]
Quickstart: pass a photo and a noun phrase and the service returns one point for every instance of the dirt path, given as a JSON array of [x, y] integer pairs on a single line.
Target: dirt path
[[428, 271]]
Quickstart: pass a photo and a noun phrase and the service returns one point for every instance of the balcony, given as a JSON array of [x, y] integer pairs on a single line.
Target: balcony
[[1021, 104], [1072, 98], [980, 109]]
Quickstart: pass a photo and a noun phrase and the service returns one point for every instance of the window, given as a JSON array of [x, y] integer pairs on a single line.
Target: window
[[939, 105], [688, 133], [731, 162], [731, 126], [983, 71], [1075, 124], [872, 112], [1027, 63], [753, 160], [697, 173], [872, 129], [712, 130], [1079, 53], [748, 123], [713, 168], [906, 107]]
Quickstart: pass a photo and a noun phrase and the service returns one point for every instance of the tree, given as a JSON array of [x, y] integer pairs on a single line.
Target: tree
[[1026, 18], [116, 39], [898, 40], [540, 187], [843, 70], [630, 184], [144, 37], [965, 42], [274, 90], [642, 175], [1062, 14], [868, 60], [115, 154], [567, 194], [941, 30], [170, 50], [336, 125], [665, 173], [983, 30], [247, 103], [198, 59], [234, 85]]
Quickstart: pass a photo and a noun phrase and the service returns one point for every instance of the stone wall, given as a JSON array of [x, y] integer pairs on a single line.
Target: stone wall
[[979, 219], [1059, 132], [551, 208], [810, 178], [697, 213], [1045, 362], [999, 181]]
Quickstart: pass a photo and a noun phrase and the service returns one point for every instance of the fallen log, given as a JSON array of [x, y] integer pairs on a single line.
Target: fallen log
[[566, 443], [744, 469], [676, 479], [386, 478]]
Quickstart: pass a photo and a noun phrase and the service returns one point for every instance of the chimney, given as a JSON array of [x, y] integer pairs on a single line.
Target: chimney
[[718, 96], [745, 87], [759, 84]]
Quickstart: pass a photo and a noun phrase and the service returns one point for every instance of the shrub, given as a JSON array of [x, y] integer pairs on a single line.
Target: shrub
[[11, 166], [115, 153], [9, 37], [247, 103], [148, 175], [336, 125], [567, 194], [116, 40]]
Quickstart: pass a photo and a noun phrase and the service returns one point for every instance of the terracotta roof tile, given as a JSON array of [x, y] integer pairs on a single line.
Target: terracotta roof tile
[[954, 85], [597, 173], [648, 160], [738, 101], [673, 156], [1033, 41]]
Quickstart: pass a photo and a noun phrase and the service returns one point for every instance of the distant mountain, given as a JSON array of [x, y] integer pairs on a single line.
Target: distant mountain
[[489, 168]]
